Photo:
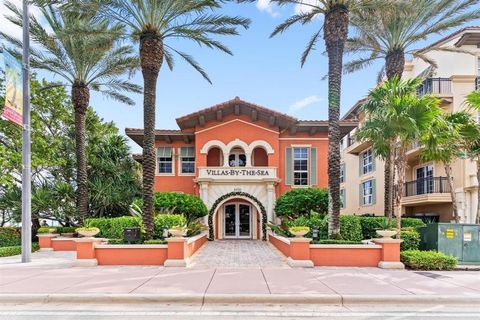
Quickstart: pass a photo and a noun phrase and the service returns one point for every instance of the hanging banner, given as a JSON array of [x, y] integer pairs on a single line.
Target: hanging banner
[[13, 89]]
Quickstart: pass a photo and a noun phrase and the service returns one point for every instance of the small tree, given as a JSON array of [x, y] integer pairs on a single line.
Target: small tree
[[396, 108], [472, 145], [301, 202], [443, 143]]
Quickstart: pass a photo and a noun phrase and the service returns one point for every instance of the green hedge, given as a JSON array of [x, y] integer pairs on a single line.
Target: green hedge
[[371, 224], [350, 227], [427, 260], [300, 202], [328, 241], [10, 236], [192, 207], [166, 220], [411, 239], [15, 250], [112, 228]]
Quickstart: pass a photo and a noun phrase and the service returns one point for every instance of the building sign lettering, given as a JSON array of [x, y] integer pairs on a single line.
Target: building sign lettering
[[238, 172]]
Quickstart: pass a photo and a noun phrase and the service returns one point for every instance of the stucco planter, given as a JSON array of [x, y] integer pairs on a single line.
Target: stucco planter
[[88, 233], [386, 234], [177, 232]]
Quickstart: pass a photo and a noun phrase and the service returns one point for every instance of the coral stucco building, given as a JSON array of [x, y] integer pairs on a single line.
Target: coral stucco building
[[239, 157]]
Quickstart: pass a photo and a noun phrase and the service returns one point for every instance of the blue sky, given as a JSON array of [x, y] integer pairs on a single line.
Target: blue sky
[[264, 71]]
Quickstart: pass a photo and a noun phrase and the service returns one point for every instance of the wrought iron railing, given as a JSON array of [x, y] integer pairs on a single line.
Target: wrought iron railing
[[426, 186], [435, 86]]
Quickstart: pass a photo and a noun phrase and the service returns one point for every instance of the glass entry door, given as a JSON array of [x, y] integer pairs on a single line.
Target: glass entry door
[[237, 221]]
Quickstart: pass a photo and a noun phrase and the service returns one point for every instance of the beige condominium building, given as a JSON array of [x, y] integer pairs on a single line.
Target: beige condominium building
[[427, 193]]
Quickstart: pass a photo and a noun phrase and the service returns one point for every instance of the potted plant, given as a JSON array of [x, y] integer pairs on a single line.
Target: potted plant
[[386, 231], [299, 232], [178, 231], [87, 232]]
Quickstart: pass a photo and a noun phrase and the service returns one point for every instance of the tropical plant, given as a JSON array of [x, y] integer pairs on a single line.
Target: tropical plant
[[395, 106], [391, 32], [86, 54], [444, 142], [336, 16], [301, 202], [152, 24], [472, 145]]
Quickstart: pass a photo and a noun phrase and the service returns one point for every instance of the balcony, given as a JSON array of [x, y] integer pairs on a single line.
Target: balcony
[[426, 191], [414, 151], [438, 86], [355, 146], [237, 174]]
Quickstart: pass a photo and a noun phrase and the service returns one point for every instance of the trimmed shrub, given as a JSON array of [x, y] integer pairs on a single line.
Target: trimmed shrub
[[350, 228], [427, 260], [112, 228], [15, 250], [328, 241], [155, 241], [371, 224], [43, 230], [115, 241], [10, 236], [411, 239], [300, 202], [192, 207], [66, 229], [166, 220]]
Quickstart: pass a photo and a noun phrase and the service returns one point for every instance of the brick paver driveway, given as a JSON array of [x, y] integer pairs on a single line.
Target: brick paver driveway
[[238, 254]]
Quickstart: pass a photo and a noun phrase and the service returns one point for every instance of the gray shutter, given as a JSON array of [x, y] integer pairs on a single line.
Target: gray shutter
[[288, 166], [374, 191], [313, 166], [360, 193], [360, 172], [373, 160]]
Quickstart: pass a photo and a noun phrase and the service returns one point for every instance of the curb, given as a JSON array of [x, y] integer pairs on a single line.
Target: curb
[[200, 299]]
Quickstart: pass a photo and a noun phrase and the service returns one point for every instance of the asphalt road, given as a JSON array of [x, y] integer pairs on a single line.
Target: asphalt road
[[225, 312]]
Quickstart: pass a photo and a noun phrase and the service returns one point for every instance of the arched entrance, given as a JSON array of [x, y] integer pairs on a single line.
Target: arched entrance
[[232, 195]]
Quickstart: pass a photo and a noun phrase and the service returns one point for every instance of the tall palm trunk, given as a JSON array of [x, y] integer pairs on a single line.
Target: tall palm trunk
[[151, 58], [448, 172], [335, 35], [80, 101], [394, 65], [401, 161]]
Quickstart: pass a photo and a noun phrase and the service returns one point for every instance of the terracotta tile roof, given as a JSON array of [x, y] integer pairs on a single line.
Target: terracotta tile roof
[[137, 131], [449, 37], [236, 100]]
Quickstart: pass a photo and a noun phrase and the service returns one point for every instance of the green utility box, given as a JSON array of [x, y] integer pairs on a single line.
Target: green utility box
[[459, 240]]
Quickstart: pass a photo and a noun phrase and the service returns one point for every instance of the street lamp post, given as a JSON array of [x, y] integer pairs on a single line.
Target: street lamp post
[[26, 154]]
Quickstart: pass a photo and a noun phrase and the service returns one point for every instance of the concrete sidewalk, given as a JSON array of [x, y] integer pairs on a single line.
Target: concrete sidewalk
[[45, 281]]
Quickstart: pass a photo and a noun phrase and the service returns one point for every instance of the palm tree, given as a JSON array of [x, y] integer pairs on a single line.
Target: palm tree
[[391, 32], [473, 144], [395, 107], [444, 142], [86, 55], [152, 24], [336, 14]]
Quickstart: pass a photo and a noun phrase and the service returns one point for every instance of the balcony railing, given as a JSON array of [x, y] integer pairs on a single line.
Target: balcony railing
[[426, 186], [435, 86], [477, 84]]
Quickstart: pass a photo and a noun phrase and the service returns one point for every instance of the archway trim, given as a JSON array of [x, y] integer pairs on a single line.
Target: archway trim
[[263, 211]]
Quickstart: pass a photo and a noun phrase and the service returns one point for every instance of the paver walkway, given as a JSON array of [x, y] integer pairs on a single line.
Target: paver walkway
[[238, 254]]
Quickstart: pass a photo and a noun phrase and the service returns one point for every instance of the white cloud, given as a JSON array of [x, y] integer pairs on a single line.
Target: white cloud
[[301, 104], [9, 28], [267, 6], [303, 8]]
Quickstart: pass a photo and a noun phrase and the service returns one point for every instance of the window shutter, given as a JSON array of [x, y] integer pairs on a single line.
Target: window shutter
[[360, 171], [360, 193], [313, 166], [164, 152], [288, 166], [373, 160], [374, 191]]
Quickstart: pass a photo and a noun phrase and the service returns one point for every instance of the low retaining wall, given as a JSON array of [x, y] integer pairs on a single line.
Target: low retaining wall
[[91, 252], [64, 244], [385, 253]]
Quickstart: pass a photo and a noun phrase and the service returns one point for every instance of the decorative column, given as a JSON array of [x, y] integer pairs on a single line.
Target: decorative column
[[248, 155], [86, 252], [177, 252], [300, 253], [45, 241], [204, 197], [270, 201], [390, 253]]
